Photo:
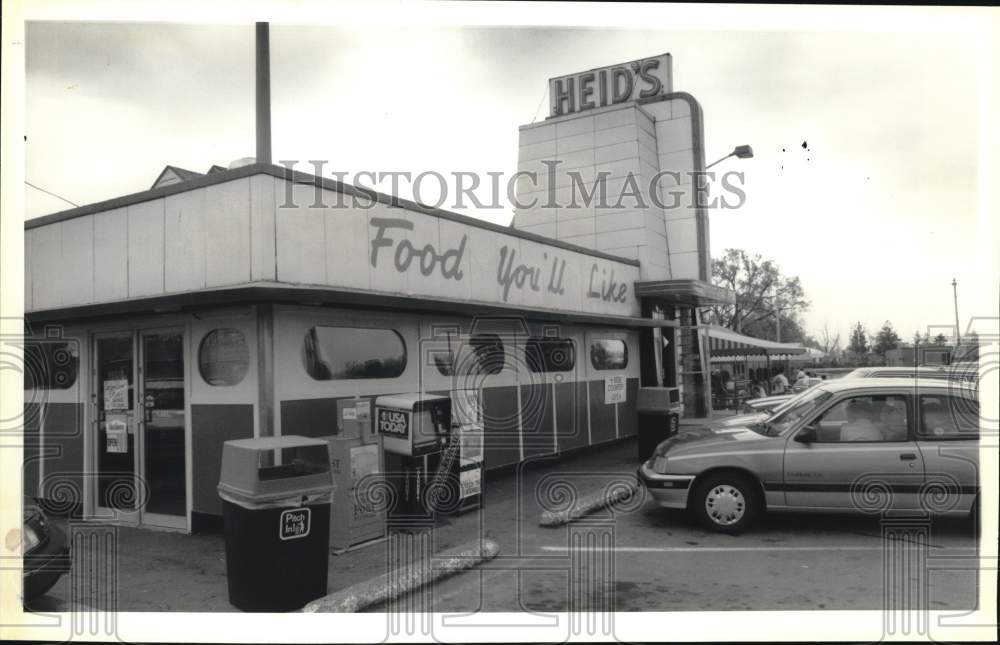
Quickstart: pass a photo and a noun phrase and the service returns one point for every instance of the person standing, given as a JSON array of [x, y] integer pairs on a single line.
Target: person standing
[[779, 383]]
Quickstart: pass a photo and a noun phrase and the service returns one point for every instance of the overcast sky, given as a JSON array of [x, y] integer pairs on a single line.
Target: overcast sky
[[876, 216]]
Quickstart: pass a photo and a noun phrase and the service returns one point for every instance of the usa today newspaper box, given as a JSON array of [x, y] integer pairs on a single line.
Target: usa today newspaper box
[[276, 514], [414, 428]]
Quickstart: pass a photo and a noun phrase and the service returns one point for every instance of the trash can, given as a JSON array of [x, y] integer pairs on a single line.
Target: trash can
[[658, 409], [276, 516]]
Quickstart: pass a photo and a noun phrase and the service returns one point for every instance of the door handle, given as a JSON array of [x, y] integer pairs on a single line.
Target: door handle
[[908, 456]]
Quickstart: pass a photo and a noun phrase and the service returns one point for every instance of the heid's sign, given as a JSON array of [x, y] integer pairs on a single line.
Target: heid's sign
[[639, 79]]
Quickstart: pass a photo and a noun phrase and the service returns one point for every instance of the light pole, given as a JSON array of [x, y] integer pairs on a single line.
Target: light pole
[[740, 152], [954, 290], [777, 316]]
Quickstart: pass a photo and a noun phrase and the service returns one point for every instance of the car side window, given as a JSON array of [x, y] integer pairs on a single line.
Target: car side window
[[882, 418], [944, 417]]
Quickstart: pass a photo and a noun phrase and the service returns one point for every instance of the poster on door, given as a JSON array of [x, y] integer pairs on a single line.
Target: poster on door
[[116, 434], [471, 481], [116, 394], [614, 390]]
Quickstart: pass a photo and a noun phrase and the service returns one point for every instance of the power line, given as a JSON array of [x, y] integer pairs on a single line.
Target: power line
[[49, 193], [540, 101]]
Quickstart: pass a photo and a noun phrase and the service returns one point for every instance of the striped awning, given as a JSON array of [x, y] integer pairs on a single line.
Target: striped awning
[[727, 343]]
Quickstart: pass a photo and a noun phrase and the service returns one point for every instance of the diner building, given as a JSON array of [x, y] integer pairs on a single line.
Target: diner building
[[254, 301]]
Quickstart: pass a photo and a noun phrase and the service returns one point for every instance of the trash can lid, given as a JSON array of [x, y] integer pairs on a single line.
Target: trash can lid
[[414, 401], [270, 443], [275, 467]]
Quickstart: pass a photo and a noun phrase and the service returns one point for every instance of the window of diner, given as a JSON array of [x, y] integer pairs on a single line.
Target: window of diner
[[224, 357], [479, 354], [50, 364], [609, 354], [550, 354], [339, 353]]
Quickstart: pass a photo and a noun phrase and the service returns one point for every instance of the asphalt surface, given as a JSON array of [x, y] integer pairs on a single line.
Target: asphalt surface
[[634, 558]]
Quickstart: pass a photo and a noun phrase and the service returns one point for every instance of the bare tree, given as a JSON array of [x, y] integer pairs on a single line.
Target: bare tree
[[829, 343], [761, 292]]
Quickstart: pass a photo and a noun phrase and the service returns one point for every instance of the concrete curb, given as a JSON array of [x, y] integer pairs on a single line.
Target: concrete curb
[[403, 580], [589, 504]]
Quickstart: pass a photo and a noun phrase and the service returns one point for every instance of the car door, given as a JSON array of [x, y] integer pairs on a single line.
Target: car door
[[857, 453], [948, 438]]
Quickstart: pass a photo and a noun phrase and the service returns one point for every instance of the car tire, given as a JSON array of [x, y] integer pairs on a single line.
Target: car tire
[[726, 502], [39, 585]]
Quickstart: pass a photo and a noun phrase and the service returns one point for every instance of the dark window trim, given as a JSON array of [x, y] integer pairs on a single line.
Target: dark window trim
[[532, 361], [399, 336], [201, 347], [608, 369], [444, 360]]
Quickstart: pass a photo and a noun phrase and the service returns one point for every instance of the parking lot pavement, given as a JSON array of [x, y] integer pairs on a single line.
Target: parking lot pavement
[[661, 559]]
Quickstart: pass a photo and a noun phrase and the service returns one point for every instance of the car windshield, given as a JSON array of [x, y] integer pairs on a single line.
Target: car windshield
[[787, 403], [794, 410]]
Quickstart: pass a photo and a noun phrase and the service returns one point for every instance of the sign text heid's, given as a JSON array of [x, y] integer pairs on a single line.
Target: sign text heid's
[[639, 79]]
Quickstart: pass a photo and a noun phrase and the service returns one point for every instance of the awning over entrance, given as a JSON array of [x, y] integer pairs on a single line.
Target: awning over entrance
[[726, 343], [695, 293]]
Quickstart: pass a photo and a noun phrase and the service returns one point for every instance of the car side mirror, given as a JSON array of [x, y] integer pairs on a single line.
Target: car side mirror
[[806, 435]]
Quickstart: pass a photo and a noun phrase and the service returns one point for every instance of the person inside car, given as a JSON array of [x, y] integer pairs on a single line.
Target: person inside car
[[859, 426], [893, 422], [936, 421]]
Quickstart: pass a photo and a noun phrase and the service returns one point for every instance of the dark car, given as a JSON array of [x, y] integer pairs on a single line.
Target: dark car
[[46, 552]]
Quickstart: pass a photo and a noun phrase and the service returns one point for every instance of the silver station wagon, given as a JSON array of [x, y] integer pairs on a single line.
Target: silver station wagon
[[865, 445]]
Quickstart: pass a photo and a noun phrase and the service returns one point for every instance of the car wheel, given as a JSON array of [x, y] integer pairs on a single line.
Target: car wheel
[[727, 503], [39, 585]]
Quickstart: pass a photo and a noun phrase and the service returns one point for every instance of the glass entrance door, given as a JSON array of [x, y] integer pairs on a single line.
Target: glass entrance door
[[115, 422], [162, 423], [141, 427]]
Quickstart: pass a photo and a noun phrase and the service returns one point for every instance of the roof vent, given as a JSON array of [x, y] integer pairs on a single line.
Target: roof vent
[[243, 161]]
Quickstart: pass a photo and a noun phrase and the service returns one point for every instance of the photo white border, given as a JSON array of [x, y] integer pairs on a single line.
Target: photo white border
[[687, 626]]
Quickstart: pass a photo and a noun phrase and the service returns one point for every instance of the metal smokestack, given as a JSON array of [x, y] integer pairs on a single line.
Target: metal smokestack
[[263, 90]]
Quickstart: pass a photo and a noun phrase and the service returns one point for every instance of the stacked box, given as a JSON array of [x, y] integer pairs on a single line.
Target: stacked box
[[356, 459]]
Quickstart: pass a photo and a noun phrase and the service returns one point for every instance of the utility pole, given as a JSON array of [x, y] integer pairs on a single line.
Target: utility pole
[[263, 91], [777, 314], [954, 290]]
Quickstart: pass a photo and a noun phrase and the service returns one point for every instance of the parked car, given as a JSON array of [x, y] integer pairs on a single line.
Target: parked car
[[767, 403], [868, 445], [46, 552], [938, 371], [764, 403]]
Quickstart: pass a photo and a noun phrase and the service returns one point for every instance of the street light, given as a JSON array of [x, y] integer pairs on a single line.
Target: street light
[[954, 290], [741, 152]]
